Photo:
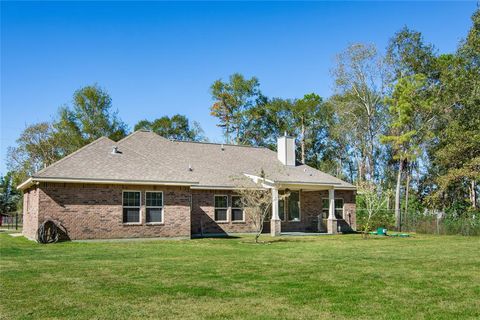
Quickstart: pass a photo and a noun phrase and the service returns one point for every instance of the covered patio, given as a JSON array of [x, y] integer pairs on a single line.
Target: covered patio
[[309, 208]]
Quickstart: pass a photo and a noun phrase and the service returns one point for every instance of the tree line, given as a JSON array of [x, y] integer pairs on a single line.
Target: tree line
[[406, 122]]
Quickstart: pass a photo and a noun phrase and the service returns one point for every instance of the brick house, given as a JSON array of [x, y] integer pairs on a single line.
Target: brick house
[[147, 186]]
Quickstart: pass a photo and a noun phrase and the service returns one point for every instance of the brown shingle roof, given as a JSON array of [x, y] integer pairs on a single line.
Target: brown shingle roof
[[145, 156], [96, 162]]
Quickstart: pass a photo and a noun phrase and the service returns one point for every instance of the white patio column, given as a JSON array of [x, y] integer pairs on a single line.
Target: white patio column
[[332, 220], [275, 204], [275, 222], [331, 204]]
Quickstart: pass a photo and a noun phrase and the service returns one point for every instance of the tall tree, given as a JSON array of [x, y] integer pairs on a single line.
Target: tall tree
[[91, 117], [268, 121], [232, 100], [308, 119], [360, 83], [411, 113], [36, 148], [9, 196], [313, 120], [408, 54], [456, 155], [176, 127], [306, 116]]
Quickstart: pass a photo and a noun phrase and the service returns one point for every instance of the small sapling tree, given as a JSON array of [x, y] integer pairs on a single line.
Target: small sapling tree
[[374, 200], [256, 200]]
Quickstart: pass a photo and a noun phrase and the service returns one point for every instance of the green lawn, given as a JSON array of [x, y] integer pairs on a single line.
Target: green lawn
[[424, 277]]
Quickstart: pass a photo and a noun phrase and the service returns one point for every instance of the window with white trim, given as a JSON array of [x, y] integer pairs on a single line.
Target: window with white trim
[[293, 203], [221, 208], [325, 208], [131, 206], [154, 206], [281, 205], [237, 209], [338, 208], [289, 205]]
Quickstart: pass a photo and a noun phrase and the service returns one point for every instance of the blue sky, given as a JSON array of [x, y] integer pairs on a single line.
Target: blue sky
[[157, 58]]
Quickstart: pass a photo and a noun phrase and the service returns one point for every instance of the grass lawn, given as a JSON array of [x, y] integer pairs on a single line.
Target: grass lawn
[[423, 277]]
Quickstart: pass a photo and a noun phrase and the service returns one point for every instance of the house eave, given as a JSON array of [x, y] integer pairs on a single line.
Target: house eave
[[193, 185], [212, 187], [323, 185], [268, 183], [353, 188], [31, 181], [312, 185], [329, 184], [26, 184]]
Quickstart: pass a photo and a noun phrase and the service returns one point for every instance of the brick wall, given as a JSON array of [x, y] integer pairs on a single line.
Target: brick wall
[[87, 211], [310, 209], [30, 212], [203, 214], [349, 207]]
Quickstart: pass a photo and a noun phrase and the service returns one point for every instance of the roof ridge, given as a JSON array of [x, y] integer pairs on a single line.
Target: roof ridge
[[131, 134], [186, 141], [218, 143], [138, 131], [72, 154]]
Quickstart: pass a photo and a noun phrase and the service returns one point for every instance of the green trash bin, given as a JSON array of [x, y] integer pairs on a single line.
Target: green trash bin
[[381, 231]]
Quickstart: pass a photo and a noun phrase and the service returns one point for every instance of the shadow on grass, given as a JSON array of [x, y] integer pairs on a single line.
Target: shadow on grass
[[214, 236], [281, 240]]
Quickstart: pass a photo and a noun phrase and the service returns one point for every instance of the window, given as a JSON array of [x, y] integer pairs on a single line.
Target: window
[[325, 208], [237, 209], [289, 206], [294, 206], [281, 206], [338, 208], [154, 207], [131, 206], [221, 208]]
